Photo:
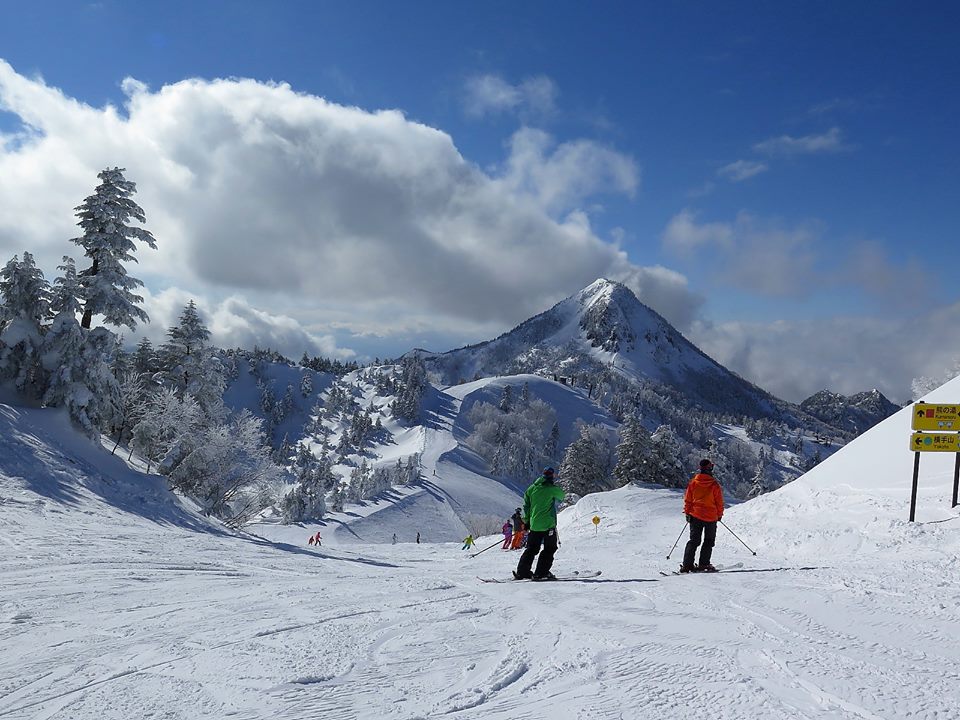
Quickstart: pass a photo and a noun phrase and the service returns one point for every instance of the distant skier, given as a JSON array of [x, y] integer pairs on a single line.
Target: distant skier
[[394, 538], [507, 534], [540, 516], [316, 540], [310, 540], [467, 542], [518, 530], [418, 538], [703, 506]]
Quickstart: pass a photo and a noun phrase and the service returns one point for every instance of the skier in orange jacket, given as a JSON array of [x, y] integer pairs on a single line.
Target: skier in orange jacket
[[703, 506]]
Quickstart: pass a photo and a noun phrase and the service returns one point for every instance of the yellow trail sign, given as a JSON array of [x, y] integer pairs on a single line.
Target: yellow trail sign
[[596, 520], [932, 442], [930, 416]]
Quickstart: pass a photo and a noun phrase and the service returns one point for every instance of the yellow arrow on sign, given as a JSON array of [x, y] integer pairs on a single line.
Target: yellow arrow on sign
[[932, 442]]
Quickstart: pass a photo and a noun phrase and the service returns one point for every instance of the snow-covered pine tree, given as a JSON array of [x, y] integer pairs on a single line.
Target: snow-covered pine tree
[[26, 302], [191, 366], [583, 469], [145, 360], [76, 361], [306, 383], [108, 241], [633, 452], [506, 399], [413, 384], [552, 445], [666, 466]]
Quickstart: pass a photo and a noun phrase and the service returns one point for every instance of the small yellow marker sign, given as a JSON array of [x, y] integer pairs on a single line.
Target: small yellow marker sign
[[596, 519], [932, 442], [939, 418]]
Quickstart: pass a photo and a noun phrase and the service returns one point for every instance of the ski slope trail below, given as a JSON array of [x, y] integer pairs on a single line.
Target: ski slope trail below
[[153, 620]]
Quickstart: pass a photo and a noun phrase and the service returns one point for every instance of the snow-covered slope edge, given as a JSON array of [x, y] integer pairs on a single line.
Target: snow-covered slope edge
[[857, 501]]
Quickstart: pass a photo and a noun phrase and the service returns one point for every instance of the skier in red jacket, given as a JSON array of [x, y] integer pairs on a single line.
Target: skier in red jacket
[[703, 506]]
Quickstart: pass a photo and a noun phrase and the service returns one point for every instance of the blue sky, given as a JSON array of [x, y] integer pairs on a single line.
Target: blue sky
[[793, 164]]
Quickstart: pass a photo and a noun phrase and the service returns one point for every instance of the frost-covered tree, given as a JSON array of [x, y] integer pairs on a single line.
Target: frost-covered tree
[[584, 467], [230, 470], [128, 404], [77, 362], [666, 464], [165, 421], [413, 384], [633, 452], [108, 241], [506, 399], [26, 305], [190, 366], [552, 445], [306, 383], [145, 360]]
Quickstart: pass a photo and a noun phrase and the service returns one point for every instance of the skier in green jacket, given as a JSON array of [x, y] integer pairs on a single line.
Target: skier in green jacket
[[540, 516]]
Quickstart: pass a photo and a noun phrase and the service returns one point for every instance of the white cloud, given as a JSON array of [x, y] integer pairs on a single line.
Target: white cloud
[[770, 258], [321, 212], [742, 170], [685, 236], [828, 142], [793, 360], [491, 94], [234, 322], [561, 177]]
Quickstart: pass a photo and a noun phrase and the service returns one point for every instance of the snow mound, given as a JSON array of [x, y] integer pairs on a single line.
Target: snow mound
[[858, 500]]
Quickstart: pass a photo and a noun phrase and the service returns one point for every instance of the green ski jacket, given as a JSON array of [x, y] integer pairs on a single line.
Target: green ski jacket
[[539, 504]]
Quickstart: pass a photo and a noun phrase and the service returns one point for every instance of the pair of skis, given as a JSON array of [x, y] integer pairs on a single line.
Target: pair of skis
[[720, 568], [569, 577]]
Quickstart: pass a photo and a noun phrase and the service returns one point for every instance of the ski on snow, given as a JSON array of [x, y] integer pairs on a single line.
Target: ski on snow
[[720, 569], [577, 575]]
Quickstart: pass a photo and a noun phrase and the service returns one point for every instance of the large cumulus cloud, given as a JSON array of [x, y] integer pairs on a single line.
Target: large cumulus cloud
[[297, 204]]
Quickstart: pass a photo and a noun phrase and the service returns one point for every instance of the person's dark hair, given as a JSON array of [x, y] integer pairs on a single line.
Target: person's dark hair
[[706, 465]]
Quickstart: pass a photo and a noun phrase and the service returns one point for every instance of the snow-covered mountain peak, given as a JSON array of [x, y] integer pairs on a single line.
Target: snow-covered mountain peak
[[603, 328]]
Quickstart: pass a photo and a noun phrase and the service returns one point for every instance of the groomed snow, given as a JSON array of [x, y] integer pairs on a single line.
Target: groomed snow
[[118, 602]]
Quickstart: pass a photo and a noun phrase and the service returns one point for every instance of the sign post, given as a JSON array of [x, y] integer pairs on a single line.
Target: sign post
[[596, 522], [939, 431]]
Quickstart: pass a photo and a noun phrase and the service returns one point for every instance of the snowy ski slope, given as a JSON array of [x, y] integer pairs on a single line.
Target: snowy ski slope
[[117, 601]]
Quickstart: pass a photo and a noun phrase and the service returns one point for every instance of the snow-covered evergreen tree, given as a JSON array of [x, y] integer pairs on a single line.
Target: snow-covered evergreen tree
[[190, 366], [108, 241], [413, 384], [506, 399], [633, 452], [583, 469], [76, 361], [26, 305], [145, 360], [666, 465]]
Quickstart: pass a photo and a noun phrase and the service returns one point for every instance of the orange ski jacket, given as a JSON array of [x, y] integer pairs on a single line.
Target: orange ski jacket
[[704, 498]]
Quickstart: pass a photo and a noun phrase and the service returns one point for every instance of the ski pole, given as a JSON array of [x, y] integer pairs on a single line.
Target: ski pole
[[678, 540], [737, 537], [498, 542]]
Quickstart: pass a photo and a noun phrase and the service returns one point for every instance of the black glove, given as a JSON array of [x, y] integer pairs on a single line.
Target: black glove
[[689, 517]]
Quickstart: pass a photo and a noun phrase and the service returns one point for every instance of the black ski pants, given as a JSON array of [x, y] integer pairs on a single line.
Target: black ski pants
[[536, 538], [709, 532]]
